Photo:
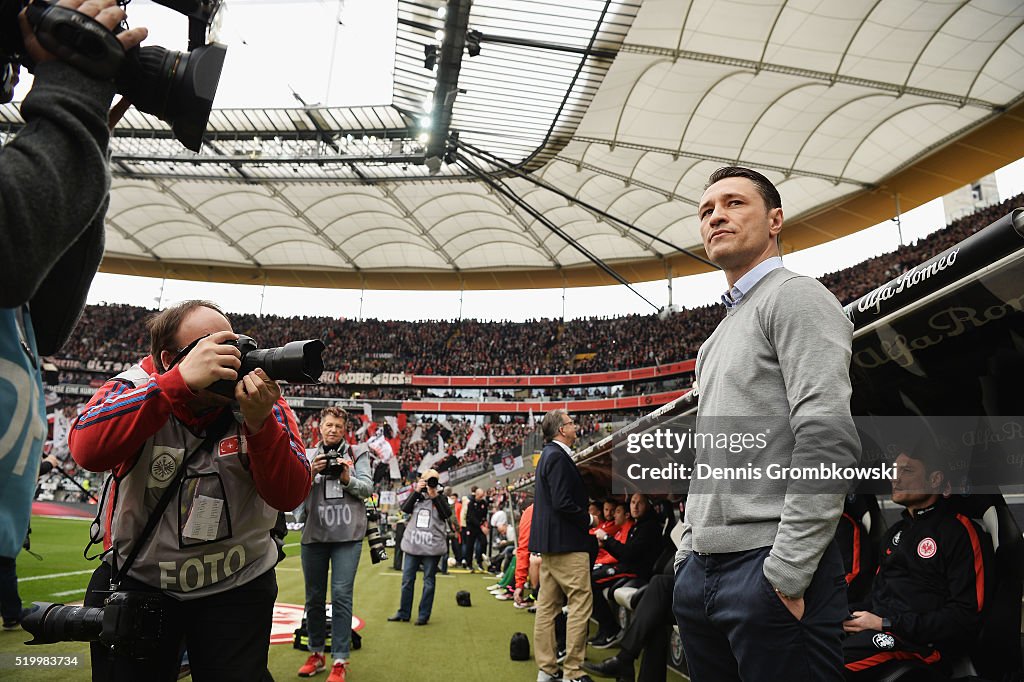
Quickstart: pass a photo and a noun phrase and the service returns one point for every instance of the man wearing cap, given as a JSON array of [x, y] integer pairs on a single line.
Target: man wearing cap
[[423, 543]]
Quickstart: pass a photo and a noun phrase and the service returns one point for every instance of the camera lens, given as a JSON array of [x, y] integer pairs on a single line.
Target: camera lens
[[51, 623]]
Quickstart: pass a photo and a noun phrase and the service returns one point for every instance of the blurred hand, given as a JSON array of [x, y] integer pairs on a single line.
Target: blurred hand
[[421, 486], [794, 606], [105, 12], [52, 459], [600, 535], [862, 620], [517, 596], [346, 471], [318, 464], [211, 361], [256, 394]]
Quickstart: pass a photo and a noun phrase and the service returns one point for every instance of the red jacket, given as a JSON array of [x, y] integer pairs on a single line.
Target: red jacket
[[523, 547], [116, 423], [603, 557]]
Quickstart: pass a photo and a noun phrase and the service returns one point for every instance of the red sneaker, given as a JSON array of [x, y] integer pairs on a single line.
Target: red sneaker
[[313, 665], [338, 672]]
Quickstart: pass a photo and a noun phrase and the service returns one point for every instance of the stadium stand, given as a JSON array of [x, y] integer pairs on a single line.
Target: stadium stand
[[115, 333]]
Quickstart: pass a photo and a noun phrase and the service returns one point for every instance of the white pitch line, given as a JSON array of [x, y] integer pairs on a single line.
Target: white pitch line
[[69, 592], [53, 575]]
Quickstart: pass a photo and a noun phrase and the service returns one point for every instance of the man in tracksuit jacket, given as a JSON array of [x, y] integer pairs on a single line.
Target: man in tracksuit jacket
[[929, 593], [211, 554]]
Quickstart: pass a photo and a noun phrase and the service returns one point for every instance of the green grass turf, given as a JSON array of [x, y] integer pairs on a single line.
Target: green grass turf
[[464, 643]]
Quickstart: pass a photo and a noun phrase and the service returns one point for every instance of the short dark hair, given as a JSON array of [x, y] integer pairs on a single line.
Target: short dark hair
[[768, 192], [163, 326]]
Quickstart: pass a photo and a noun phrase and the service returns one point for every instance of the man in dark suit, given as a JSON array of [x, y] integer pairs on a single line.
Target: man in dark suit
[[559, 534]]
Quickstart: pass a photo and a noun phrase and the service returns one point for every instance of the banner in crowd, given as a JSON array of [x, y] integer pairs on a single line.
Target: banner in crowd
[[366, 378], [507, 461], [108, 367], [593, 378]]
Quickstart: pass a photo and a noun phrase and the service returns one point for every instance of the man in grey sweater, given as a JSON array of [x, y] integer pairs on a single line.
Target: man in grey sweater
[[759, 587], [54, 185]]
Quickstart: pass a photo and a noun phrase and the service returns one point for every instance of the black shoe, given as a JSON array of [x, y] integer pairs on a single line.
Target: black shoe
[[398, 618], [560, 655], [582, 678], [421, 621], [615, 667], [604, 641]]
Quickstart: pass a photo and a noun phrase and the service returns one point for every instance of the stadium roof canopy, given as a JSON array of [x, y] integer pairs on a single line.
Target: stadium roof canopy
[[551, 123]]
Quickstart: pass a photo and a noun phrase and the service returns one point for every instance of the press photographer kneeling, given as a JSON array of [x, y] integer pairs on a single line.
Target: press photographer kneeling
[[188, 509]]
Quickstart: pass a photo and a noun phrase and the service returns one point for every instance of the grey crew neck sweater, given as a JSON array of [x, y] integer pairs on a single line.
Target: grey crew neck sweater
[[779, 360]]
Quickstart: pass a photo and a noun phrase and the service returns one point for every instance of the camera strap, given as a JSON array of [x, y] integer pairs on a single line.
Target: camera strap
[[213, 434]]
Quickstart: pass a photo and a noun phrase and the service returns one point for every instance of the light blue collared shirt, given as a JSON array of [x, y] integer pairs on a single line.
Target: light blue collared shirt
[[733, 296]]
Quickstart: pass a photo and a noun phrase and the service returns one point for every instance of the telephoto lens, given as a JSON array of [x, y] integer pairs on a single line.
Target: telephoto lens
[[378, 552]]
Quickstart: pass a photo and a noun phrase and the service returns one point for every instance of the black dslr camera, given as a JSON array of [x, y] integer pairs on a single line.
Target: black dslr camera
[[335, 464], [374, 540], [297, 362], [129, 623], [176, 87]]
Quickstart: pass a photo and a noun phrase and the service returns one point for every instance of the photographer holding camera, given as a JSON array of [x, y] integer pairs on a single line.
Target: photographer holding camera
[[423, 543], [336, 522], [188, 509], [54, 185]]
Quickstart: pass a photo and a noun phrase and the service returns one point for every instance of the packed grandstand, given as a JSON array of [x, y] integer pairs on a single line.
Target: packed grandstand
[[514, 146], [115, 335]]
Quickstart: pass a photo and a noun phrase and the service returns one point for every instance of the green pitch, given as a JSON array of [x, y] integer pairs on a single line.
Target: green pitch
[[459, 643]]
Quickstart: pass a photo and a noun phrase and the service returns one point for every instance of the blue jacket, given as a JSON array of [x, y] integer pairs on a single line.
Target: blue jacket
[[560, 517], [22, 430]]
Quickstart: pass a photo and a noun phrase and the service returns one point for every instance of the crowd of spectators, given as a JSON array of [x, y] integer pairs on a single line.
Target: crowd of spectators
[[471, 347], [455, 433]]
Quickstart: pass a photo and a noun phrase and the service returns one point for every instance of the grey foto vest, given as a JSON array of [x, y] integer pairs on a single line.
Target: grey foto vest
[[333, 514], [214, 534], [425, 533]]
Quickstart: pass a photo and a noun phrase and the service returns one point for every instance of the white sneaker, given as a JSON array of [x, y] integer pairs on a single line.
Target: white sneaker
[[545, 677]]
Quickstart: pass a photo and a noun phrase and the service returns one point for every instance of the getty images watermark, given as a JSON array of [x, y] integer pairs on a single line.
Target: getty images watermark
[[666, 439], [781, 455]]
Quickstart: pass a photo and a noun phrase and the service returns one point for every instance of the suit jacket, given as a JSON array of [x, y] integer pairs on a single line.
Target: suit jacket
[[560, 516]]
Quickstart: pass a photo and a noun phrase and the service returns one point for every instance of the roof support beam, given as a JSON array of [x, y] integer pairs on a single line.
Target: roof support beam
[[165, 188], [668, 194], [728, 161], [810, 74]]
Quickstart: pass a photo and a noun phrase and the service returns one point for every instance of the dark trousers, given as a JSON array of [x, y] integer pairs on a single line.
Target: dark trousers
[[871, 654], [602, 613], [409, 568], [649, 630], [227, 635], [474, 546], [735, 628], [10, 601]]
